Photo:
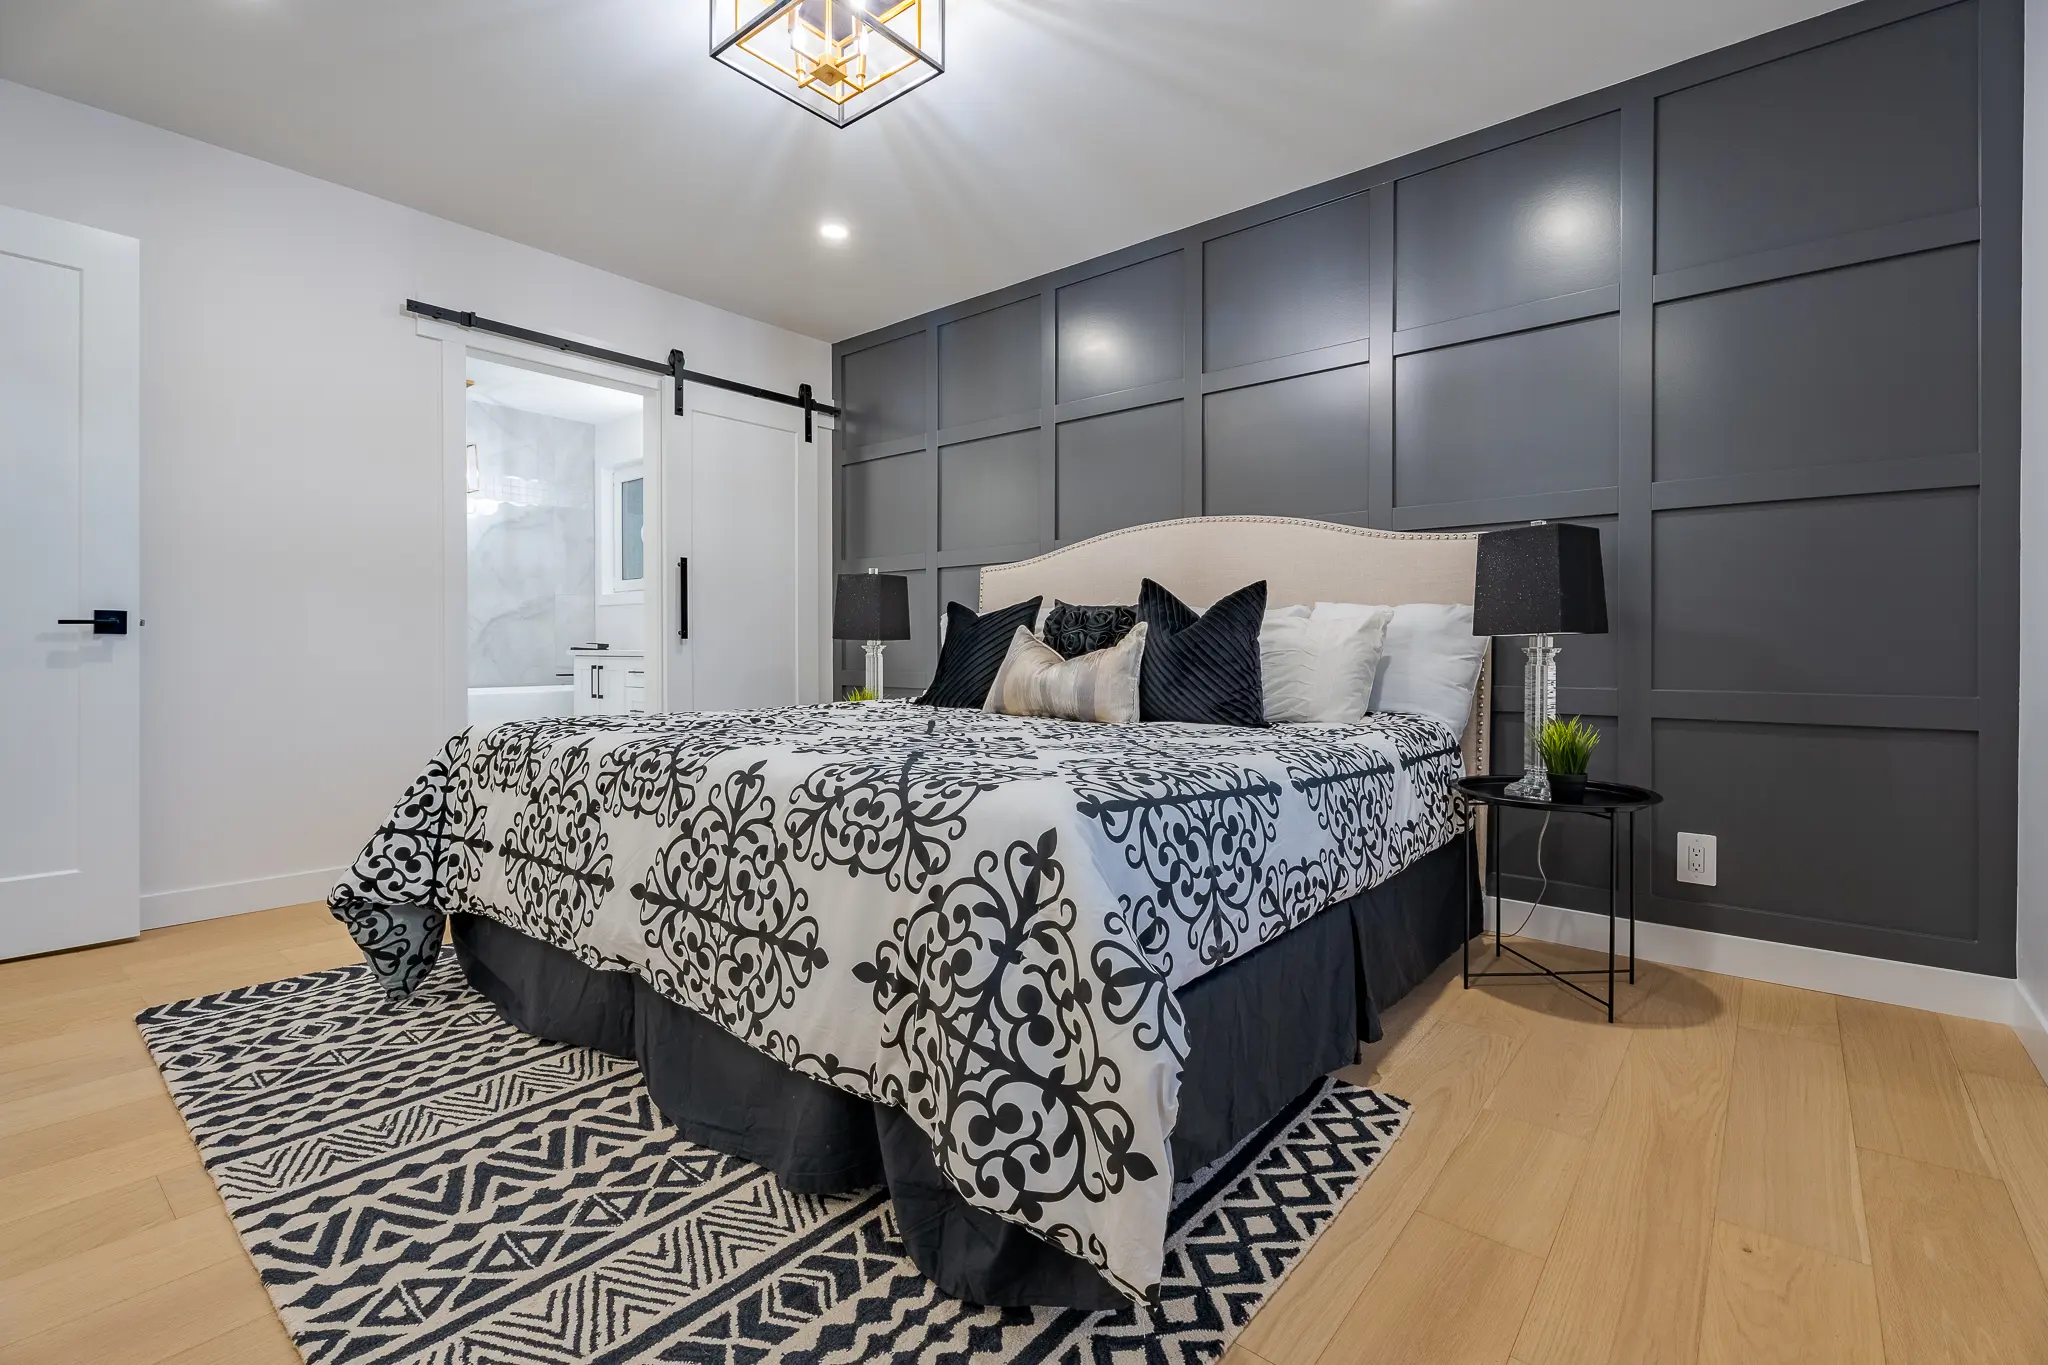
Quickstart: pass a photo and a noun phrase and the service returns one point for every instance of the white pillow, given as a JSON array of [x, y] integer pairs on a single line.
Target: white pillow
[[1430, 663], [1319, 671]]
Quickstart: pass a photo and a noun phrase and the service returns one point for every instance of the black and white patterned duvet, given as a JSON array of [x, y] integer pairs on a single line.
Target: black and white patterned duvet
[[978, 919]]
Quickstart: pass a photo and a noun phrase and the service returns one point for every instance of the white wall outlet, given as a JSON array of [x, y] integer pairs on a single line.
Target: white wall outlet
[[1697, 860]]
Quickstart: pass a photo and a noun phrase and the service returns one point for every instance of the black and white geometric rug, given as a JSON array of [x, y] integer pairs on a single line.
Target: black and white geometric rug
[[422, 1182]]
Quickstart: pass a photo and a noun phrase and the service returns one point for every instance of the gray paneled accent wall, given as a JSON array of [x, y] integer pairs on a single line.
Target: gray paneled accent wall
[[1755, 317]]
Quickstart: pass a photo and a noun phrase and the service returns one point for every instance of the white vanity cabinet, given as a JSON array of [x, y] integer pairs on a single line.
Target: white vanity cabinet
[[609, 682]]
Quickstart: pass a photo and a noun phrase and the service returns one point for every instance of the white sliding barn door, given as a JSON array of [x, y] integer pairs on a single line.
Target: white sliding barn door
[[746, 508], [69, 707]]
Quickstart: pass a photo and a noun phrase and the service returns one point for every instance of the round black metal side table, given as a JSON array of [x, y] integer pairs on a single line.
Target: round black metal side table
[[1604, 800]]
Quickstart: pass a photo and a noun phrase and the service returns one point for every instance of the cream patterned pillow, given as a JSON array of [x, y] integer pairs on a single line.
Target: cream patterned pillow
[[1035, 681]]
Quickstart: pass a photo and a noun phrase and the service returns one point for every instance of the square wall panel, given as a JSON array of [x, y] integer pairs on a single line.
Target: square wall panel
[[991, 364], [1535, 412], [886, 506], [1867, 596], [1120, 469], [1875, 362], [1874, 129], [988, 491], [1121, 330], [885, 391], [1825, 824], [1532, 220], [1294, 448], [909, 663], [962, 584], [1295, 284]]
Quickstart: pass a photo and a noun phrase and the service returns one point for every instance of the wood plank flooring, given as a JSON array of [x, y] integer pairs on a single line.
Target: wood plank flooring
[[1732, 1174]]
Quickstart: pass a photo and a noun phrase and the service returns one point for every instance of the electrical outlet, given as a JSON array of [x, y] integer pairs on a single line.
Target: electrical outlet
[[1697, 860]]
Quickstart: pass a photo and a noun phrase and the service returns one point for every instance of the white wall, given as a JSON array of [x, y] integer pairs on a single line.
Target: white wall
[[292, 551], [2033, 794]]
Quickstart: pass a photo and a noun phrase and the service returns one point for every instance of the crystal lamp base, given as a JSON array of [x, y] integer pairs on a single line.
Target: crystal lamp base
[[873, 649], [1539, 708]]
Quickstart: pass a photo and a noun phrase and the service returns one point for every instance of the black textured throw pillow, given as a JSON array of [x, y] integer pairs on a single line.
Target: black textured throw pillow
[[1075, 631], [1202, 668], [973, 652]]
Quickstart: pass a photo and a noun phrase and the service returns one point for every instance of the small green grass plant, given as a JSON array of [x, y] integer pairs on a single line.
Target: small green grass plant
[[1568, 746]]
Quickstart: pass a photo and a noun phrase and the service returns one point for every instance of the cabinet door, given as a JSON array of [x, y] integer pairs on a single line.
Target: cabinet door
[[589, 687]]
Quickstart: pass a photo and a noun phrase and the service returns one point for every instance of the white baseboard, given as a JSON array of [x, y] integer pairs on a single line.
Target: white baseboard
[[2030, 1021], [163, 908], [1996, 998]]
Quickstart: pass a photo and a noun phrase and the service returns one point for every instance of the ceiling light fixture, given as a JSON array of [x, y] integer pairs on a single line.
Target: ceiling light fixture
[[840, 59], [833, 232]]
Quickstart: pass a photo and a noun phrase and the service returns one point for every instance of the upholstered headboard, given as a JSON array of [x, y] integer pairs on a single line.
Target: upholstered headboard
[[1201, 558]]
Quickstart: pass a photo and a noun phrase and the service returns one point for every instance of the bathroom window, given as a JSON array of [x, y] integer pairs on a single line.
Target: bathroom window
[[632, 552], [624, 546]]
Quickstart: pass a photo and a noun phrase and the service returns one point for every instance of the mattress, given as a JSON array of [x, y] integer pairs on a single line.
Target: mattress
[[981, 922]]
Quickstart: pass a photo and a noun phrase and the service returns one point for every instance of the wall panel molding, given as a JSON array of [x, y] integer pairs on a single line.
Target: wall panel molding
[[1821, 569], [1820, 481], [1288, 366], [1829, 253], [1522, 317]]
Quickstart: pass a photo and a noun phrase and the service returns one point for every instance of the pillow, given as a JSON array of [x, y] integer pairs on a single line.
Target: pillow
[[1099, 686], [973, 651], [1203, 669], [1320, 671], [1430, 665], [1075, 631]]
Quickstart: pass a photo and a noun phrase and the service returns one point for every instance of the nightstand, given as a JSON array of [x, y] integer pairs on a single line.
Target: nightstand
[[1607, 801]]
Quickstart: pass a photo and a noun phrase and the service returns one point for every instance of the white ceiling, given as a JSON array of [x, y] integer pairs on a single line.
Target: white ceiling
[[1062, 129], [550, 395]]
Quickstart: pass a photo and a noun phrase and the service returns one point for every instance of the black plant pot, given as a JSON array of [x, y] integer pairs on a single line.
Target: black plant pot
[[1568, 787]]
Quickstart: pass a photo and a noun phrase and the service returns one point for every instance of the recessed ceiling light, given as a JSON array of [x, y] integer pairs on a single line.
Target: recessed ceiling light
[[833, 232]]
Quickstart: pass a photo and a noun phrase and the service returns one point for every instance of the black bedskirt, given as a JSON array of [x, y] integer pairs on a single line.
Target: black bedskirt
[[1261, 1030]]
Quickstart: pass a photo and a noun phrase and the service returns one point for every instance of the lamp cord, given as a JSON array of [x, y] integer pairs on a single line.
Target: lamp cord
[[1545, 888]]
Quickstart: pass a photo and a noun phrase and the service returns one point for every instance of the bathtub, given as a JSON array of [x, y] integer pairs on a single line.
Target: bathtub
[[491, 705]]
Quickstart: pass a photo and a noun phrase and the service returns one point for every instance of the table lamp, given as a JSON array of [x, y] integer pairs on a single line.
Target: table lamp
[[872, 607], [1541, 580]]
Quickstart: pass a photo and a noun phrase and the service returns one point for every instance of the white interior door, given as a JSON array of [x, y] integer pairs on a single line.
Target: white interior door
[[69, 714], [746, 508]]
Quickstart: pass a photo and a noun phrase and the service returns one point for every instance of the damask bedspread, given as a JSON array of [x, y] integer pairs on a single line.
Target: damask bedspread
[[978, 919]]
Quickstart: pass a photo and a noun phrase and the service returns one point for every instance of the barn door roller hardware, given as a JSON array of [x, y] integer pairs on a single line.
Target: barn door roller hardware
[[800, 399]]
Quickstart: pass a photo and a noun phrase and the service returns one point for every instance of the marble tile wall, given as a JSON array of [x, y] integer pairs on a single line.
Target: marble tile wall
[[532, 545]]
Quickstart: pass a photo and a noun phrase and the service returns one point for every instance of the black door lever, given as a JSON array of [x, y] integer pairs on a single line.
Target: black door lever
[[103, 622]]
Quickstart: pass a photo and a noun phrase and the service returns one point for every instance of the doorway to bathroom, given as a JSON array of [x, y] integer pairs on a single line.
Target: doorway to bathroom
[[694, 575], [555, 502]]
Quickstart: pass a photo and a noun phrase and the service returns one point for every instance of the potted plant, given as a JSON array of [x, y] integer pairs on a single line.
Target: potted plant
[[862, 694], [1567, 749]]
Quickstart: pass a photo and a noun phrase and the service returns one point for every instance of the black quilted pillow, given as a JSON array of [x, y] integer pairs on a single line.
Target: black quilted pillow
[[973, 652], [1202, 668], [1075, 631]]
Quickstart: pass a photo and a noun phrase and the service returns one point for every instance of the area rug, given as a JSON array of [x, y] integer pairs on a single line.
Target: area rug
[[422, 1182]]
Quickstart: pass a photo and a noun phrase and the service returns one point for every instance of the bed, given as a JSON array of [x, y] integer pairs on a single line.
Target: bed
[[1024, 972]]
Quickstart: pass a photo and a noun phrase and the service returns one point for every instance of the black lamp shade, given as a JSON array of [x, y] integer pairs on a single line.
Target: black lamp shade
[[871, 606], [1542, 579]]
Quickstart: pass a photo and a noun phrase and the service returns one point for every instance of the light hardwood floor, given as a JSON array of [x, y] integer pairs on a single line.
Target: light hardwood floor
[[1733, 1174]]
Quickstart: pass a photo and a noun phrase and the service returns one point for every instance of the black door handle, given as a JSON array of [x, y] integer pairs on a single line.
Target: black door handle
[[103, 622]]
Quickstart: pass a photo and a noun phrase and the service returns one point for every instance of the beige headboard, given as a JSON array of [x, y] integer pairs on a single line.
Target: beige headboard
[[1202, 558]]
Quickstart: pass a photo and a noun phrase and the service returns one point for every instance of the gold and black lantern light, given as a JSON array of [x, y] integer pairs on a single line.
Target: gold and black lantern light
[[840, 59]]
